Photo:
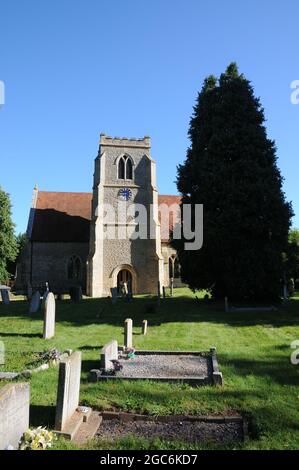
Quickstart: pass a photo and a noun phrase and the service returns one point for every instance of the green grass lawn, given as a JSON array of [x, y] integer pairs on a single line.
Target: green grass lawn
[[253, 352]]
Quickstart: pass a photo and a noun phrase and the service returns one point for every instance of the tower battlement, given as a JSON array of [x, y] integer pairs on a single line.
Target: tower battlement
[[108, 141]]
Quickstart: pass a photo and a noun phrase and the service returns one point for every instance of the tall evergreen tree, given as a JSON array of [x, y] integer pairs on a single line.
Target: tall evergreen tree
[[231, 168], [8, 244]]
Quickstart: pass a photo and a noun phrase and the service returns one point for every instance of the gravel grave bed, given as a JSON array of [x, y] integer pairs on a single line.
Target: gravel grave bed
[[165, 366], [185, 431]]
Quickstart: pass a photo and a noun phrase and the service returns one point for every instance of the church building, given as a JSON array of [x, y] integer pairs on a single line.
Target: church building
[[66, 231]]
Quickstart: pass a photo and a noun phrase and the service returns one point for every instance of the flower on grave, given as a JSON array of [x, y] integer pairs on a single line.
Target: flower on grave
[[37, 439]]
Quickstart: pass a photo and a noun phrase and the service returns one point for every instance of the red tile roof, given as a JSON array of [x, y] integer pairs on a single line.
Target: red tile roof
[[65, 217]]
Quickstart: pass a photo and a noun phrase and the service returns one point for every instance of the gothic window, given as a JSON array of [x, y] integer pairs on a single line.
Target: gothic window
[[125, 168], [129, 169], [74, 268], [121, 169]]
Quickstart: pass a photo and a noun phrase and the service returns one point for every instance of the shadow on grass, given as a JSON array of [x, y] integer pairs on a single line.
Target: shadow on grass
[[23, 335], [42, 416], [280, 370], [177, 309]]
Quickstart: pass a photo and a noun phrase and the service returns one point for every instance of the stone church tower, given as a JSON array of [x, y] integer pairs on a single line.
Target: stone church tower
[[126, 174]]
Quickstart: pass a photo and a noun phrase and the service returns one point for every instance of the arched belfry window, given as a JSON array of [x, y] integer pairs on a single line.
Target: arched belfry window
[[125, 168], [121, 169], [74, 268]]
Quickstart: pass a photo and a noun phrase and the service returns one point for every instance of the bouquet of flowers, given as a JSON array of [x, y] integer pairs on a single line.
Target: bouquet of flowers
[[37, 439]]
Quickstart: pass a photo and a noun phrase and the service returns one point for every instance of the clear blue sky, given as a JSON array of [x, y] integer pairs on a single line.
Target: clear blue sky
[[75, 68]]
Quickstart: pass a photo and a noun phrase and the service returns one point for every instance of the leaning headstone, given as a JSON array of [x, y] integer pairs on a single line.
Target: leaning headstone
[[128, 333], [68, 390], [14, 414], [114, 294], [144, 327], [35, 302], [5, 296], [109, 353], [49, 318]]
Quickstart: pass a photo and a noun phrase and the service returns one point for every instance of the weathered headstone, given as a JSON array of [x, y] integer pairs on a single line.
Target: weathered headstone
[[49, 317], [144, 327], [14, 414], [114, 294], [35, 302], [109, 353], [5, 295], [68, 390], [128, 333]]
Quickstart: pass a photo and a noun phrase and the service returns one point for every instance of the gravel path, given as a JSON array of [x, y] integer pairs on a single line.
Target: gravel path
[[165, 366], [185, 431]]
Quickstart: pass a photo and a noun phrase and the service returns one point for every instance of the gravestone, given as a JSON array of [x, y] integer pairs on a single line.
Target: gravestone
[[144, 327], [128, 333], [14, 414], [109, 353], [164, 293], [114, 294], [171, 287], [5, 296], [49, 317], [68, 390], [35, 302], [2, 353], [76, 294]]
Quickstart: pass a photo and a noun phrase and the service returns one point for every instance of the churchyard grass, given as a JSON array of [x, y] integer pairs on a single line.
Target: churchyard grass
[[253, 352]]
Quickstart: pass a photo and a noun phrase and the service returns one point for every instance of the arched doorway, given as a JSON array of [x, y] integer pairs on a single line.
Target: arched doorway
[[124, 276]]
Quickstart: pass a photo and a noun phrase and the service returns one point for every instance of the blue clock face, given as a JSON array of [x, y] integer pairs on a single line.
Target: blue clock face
[[125, 194]]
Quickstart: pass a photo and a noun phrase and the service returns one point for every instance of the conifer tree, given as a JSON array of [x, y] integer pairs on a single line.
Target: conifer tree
[[231, 168]]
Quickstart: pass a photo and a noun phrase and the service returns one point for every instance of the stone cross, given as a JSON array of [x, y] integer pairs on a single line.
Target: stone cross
[[68, 390], [144, 327], [35, 302], [128, 333], [14, 414], [49, 317]]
